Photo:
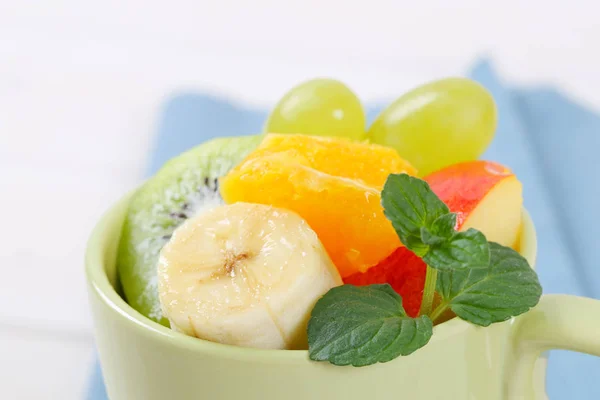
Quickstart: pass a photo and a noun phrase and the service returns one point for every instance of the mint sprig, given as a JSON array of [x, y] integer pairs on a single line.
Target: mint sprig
[[360, 326], [480, 282], [426, 226]]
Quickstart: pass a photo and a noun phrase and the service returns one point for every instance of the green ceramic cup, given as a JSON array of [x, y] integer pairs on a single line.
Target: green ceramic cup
[[142, 360]]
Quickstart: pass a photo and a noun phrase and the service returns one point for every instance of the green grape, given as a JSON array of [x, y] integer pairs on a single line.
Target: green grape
[[438, 124], [323, 107]]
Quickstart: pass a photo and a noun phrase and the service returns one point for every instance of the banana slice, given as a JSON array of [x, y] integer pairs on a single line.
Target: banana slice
[[244, 274]]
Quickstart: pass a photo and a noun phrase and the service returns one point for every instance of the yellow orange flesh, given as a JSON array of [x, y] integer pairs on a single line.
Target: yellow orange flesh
[[334, 184]]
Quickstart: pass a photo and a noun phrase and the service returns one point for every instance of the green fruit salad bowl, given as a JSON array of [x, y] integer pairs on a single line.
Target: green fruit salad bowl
[[144, 360]]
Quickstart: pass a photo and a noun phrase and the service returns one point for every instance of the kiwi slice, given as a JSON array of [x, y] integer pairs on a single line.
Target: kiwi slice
[[184, 186]]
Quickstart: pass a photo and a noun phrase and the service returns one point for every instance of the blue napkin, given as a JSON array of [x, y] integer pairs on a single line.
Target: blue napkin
[[550, 141]]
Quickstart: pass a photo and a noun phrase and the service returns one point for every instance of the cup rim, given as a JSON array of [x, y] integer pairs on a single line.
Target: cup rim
[[100, 285]]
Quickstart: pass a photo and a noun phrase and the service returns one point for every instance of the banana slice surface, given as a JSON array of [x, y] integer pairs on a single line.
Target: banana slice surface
[[244, 274]]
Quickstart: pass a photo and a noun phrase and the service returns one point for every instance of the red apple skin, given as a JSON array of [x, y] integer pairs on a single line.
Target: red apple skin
[[404, 271], [468, 189], [462, 186]]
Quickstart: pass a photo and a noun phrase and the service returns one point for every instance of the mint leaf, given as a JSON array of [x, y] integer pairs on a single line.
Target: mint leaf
[[467, 249], [440, 230], [444, 225], [409, 203], [364, 325], [507, 288], [429, 238]]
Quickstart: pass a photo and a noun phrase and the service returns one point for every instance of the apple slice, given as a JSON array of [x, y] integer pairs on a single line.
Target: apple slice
[[404, 271], [485, 195]]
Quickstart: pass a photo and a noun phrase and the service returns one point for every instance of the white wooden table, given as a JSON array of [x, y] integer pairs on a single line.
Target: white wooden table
[[81, 87]]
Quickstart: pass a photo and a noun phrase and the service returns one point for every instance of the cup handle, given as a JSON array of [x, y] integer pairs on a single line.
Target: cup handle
[[557, 322]]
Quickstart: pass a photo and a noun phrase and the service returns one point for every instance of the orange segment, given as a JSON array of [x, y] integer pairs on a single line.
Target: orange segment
[[338, 196], [371, 164]]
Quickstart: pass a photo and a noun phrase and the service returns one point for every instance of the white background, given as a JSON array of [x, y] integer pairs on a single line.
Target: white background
[[81, 85]]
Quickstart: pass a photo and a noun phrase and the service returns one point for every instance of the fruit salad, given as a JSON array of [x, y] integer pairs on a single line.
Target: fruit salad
[[325, 235]]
